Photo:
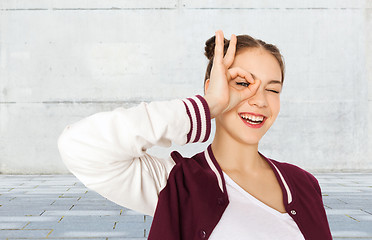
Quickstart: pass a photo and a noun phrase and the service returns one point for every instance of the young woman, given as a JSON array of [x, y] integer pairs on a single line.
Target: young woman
[[228, 191]]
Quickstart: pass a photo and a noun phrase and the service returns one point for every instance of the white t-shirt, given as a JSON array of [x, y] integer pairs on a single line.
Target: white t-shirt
[[248, 218]]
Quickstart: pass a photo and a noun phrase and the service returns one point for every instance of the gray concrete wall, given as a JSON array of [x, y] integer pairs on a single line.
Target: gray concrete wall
[[61, 61]]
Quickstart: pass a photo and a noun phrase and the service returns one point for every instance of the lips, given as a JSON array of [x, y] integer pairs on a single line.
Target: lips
[[253, 120]]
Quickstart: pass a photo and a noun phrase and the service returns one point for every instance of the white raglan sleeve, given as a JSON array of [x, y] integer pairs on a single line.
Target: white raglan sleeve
[[107, 150]]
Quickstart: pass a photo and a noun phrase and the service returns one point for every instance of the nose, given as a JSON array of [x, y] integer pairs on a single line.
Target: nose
[[258, 99]]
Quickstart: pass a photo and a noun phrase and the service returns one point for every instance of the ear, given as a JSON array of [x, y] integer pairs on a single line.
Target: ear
[[206, 84]]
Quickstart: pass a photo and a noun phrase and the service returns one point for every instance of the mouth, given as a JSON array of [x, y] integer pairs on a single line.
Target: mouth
[[253, 120]]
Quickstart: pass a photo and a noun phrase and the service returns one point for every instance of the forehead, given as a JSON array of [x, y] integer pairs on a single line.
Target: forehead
[[262, 64]]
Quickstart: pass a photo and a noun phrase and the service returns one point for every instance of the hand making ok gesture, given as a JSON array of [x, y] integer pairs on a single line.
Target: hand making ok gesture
[[220, 95]]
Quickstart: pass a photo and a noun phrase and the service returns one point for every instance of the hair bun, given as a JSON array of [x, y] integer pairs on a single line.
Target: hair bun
[[209, 47]]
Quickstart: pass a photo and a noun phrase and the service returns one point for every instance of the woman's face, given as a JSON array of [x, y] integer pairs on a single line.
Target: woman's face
[[266, 101]]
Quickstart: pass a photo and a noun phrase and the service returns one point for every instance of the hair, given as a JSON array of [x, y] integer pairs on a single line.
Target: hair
[[243, 42]]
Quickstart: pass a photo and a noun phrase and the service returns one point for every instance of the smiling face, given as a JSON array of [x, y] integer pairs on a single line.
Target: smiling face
[[266, 101]]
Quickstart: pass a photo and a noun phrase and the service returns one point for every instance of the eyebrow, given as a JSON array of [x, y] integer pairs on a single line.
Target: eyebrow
[[271, 81]]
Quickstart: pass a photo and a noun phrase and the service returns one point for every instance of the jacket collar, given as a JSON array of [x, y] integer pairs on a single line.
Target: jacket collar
[[213, 164]]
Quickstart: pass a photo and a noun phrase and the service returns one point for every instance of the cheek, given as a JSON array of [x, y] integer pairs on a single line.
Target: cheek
[[227, 119], [228, 116], [275, 104]]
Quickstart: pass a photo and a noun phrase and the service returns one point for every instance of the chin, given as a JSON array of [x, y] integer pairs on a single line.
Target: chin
[[249, 140]]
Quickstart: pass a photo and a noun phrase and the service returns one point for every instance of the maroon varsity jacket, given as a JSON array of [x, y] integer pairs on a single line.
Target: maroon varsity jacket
[[192, 203]]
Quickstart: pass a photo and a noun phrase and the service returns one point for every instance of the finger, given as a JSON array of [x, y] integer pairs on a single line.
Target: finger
[[253, 87], [218, 48], [230, 53], [239, 72], [250, 90]]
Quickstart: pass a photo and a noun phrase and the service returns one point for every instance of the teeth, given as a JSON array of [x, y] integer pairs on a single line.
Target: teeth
[[252, 118]]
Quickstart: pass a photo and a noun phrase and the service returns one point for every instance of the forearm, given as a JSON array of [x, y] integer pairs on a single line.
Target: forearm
[[107, 151]]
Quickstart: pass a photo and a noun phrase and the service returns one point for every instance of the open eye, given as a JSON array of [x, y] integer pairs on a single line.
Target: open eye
[[244, 84]]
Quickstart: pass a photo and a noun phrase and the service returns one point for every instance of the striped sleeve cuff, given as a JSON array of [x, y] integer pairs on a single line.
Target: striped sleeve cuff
[[198, 111]]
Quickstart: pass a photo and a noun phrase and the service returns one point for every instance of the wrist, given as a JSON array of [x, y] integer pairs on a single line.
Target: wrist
[[212, 107]]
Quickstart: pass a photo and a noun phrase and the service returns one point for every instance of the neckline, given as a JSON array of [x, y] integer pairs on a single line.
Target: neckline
[[287, 195], [256, 201]]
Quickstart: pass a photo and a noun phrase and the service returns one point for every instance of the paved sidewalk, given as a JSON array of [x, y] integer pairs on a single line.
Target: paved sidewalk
[[60, 207]]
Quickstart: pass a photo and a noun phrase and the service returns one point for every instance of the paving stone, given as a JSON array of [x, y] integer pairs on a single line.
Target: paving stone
[[135, 229], [87, 213], [27, 218], [25, 233], [97, 227], [347, 211], [21, 213], [352, 233], [12, 225], [83, 206], [43, 225]]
